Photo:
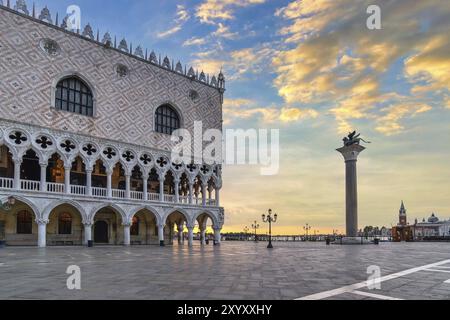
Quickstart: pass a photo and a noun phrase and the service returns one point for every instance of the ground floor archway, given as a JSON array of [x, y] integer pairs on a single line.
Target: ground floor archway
[[107, 227], [65, 227], [18, 226]]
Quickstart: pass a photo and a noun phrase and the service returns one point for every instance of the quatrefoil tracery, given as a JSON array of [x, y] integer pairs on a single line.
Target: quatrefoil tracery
[[145, 159], [162, 162], [204, 169], [44, 142], [68, 146], [89, 149], [109, 153], [128, 156], [18, 137], [192, 167]]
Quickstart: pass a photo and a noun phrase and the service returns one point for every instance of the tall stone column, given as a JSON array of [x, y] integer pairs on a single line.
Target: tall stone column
[[350, 154]]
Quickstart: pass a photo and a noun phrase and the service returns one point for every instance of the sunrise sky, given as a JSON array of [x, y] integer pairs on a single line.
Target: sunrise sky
[[313, 70]]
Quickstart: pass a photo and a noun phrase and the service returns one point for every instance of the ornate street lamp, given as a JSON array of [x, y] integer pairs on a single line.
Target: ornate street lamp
[[306, 227], [269, 219], [246, 230], [255, 226], [8, 204]]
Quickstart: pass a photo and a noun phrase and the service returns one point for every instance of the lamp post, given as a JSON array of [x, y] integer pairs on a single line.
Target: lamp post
[[306, 227], [246, 229], [255, 226], [8, 204], [269, 219]]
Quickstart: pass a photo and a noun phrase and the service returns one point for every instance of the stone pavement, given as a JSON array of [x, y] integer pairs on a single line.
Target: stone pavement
[[235, 270]]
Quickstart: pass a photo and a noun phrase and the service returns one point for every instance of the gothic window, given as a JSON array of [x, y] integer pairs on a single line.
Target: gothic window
[[24, 222], [75, 96], [167, 119], [134, 229], [65, 223]]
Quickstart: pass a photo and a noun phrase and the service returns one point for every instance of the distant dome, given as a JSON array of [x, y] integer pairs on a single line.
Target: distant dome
[[433, 218]]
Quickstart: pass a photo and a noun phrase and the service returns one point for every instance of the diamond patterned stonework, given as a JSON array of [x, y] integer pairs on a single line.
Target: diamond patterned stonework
[[124, 106]]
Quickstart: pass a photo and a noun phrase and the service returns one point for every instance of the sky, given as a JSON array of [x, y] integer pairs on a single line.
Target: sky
[[313, 70]]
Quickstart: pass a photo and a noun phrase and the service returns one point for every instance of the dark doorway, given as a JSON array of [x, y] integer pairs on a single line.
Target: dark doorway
[[101, 232]]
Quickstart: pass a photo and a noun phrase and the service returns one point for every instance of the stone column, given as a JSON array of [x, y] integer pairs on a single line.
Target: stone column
[[145, 187], [217, 236], [42, 232], [210, 190], [350, 154], [217, 197], [203, 236], [43, 176], [161, 234], [17, 164], [204, 194], [89, 182], [177, 191], [161, 187], [190, 236], [109, 182], [67, 179], [191, 191], [87, 232], [126, 234], [127, 185], [180, 233]]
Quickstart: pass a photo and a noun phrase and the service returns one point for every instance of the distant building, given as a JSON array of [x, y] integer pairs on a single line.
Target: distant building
[[402, 231], [432, 227]]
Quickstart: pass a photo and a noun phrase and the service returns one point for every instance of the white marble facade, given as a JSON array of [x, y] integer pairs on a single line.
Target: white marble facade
[[127, 87]]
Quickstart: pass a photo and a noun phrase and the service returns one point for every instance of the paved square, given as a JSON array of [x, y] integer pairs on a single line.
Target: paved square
[[235, 270]]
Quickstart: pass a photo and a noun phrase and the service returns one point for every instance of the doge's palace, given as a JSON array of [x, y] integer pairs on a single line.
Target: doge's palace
[[85, 133]]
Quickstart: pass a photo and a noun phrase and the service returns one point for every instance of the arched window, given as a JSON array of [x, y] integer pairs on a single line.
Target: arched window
[[167, 119], [65, 223], [24, 222], [75, 96], [134, 229]]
